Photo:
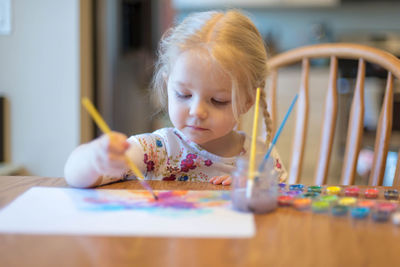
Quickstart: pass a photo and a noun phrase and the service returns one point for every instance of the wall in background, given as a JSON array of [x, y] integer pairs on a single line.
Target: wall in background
[[293, 27], [39, 75]]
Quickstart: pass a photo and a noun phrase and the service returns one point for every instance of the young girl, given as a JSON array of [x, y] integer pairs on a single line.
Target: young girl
[[208, 70]]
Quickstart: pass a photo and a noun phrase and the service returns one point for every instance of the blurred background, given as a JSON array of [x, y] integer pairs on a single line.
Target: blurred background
[[54, 52]]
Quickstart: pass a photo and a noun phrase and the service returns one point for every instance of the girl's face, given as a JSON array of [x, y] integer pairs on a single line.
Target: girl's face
[[200, 98]]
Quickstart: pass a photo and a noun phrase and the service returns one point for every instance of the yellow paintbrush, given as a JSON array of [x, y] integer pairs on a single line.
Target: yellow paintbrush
[[251, 174], [104, 127]]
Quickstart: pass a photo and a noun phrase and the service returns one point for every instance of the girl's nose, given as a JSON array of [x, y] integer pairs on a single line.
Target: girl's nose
[[198, 109]]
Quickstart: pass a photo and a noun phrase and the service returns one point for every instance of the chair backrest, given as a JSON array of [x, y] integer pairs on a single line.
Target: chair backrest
[[335, 51]]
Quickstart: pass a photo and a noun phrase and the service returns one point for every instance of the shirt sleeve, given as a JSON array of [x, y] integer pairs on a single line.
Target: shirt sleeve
[[148, 152], [136, 154], [138, 144]]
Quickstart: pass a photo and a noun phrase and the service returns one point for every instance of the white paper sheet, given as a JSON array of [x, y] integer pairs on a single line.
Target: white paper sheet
[[46, 210]]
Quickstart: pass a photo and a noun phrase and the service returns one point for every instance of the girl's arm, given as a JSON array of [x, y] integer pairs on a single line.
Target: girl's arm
[[104, 156]]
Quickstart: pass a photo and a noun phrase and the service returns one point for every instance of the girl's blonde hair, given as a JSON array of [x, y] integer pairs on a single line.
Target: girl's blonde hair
[[232, 41]]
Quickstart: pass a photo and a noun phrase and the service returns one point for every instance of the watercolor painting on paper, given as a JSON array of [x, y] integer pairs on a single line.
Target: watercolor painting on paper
[[170, 203], [43, 210]]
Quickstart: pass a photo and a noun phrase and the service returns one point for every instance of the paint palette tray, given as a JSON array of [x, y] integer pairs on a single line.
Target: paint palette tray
[[377, 204]]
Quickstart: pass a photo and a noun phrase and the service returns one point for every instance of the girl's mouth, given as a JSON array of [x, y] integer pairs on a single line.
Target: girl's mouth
[[196, 128]]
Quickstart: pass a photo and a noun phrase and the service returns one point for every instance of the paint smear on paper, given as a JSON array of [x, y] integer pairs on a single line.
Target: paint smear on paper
[[169, 202]]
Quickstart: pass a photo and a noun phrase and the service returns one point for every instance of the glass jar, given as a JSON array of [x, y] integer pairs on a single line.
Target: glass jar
[[264, 192]]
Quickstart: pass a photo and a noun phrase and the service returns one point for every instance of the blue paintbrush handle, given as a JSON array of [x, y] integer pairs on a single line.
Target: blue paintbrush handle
[[262, 166]]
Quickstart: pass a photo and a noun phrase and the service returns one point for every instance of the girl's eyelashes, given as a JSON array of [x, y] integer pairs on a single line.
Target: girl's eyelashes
[[220, 102], [216, 102], [183, 96]]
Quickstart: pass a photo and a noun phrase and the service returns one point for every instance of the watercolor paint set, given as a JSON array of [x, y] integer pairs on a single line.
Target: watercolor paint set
[[359, 203]]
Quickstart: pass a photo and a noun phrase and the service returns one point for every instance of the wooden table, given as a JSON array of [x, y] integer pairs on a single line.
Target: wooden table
[[286, 237]]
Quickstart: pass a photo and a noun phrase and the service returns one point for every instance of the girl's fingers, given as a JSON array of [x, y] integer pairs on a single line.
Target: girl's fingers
[[117, 143], [219, 179], [215, 179], [227, 181], [109, 154], [112, 157], [116, 164]]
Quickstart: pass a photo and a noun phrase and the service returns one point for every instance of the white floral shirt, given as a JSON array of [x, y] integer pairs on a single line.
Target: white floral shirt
[[168, 155]]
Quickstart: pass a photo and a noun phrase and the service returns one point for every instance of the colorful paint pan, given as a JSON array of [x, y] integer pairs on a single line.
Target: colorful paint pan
[[314, 188], [333, 190], [293, 193], [366, 203], [359, 212], [371, 193], [391, 194], [311, 195], [330, 198], [386, 206], [285, 200], [347, 201], [302, 203], [352, 191], [320, 206], [339, 210], [380, 215], [297, 187]]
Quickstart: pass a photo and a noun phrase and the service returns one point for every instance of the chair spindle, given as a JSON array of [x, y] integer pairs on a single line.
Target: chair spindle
[[301, 125], [383, 132], [329, 125]]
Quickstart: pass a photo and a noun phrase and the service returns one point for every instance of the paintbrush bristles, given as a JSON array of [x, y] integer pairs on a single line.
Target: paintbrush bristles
[[147, 186]]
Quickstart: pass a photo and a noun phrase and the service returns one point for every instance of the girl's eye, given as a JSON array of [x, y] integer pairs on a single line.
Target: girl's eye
[[183, 96], [220, 102]]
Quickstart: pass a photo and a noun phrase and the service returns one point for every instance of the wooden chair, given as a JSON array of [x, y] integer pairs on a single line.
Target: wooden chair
[[355, 126]]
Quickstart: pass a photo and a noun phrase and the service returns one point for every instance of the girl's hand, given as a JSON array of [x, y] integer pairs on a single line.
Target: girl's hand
[[109, 151], [224, 180], [104, 156]]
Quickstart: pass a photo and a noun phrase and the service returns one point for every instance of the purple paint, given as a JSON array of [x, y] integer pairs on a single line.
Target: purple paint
[[167, 194], [174, 203]]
